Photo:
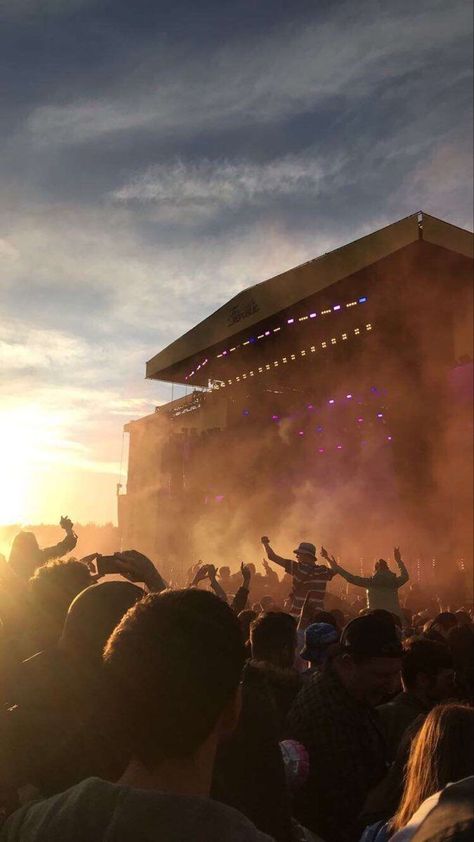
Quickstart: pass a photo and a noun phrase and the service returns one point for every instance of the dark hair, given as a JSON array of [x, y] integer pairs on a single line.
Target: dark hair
[[440, 754], [174, 661], [271, 634], [423, 656], [94, 614], [25, 554], [320, 616], [446, 620], [53, 588]]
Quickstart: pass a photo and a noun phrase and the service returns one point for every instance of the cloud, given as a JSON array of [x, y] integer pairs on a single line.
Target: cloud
[[351, 55]]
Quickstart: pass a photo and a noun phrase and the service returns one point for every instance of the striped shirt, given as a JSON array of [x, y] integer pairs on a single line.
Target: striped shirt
[[307, 576]]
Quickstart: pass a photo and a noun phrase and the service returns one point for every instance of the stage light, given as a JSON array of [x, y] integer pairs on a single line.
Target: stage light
[[267, 333], [267, 366], [302, 318], [275, 417], [379, 414], [245, 412], [344, 335], [312, 315], [312, 349], [362, 300], [357, 330], [290, 321], [360, 420], [247, 342], [319, 429], [310, 406], [301, 433], [348, 397], [251, 373], [368, 327], [244, 376], [293, 356], [389, 438], [324, 344], [238, 379], [333, 341], [219, 356], [284, 360], [325, 312], [339, 447], [260, 369], [303, 353], [229, 382], [373, 389], [332, 401], [337, 307], [321, 450], [276, 329], [224, 353], [261, 336]]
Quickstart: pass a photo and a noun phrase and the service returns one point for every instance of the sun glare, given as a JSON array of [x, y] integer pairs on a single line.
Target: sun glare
[[25, 432]]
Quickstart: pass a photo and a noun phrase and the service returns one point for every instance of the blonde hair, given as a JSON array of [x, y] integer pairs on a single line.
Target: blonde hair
[[441, 753]]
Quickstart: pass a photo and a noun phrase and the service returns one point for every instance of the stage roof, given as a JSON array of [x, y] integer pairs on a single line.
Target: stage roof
[[271, 296]]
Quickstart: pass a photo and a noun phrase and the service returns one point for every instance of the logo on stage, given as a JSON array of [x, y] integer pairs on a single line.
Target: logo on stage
[[238, 313]]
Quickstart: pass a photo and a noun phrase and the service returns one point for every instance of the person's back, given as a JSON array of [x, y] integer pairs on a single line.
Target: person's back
[[173, 666], [334, 717]]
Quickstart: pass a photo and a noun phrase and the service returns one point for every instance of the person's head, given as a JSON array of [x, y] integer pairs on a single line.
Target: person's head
[[381, 565], [463, 618], [369, 658], [266, 603], [53, 587], [320, 616], [224, 573], [319, 638], [306, 552], [93, 615], [252, 569], [273, 639], [427, 670], [442, 624], [174, 663], [25, 555], [440, 754], [339, 617]]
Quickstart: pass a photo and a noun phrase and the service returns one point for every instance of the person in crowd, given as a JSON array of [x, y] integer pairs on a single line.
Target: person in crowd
[[52, 588], [174, 666], [306, 574], [26, 556], [446, 816], [382, 587], [440, 754], [427, 680], [334, 717], [273, 650], [319, 640], [461, 644], [441, 625], [240, 599]]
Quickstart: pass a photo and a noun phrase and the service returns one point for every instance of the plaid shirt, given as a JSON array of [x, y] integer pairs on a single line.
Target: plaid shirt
[[347, 756]]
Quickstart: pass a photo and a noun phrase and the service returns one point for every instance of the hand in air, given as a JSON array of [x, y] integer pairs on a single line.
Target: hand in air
[[265, 540], [396, 554], [245, 571], [66, 523], [136, 567], [328, 557]]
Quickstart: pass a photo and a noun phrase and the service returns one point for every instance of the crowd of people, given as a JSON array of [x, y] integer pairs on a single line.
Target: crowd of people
[[242, 707]]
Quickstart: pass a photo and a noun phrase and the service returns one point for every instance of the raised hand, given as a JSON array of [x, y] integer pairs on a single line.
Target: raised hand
[[265, 540], [137, 567], [200, 574], [245, 571], [66, 524], [330, 558], [211, 571], [396, 554]]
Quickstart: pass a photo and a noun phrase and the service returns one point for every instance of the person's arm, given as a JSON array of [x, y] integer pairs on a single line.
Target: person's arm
[[216, 587], [272, 575], [287, 563], [65, 546], [404, 574], [361, 581], [240, 599], [137, 567]]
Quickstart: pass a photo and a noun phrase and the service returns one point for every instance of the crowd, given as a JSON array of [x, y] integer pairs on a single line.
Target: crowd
[[242, 707]]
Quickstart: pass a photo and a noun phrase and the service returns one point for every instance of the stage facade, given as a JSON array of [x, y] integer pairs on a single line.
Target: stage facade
[[332, 403]]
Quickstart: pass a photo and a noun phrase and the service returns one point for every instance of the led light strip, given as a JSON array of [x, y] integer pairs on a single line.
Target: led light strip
[[302, 353], [293, 320]]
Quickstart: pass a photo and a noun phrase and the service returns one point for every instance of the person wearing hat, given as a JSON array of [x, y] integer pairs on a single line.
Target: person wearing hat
[[318, 638], [308, 577], [382, 588], [334, 716]]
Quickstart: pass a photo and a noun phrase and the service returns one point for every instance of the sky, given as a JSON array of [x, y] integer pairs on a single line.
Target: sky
[[157, 157]]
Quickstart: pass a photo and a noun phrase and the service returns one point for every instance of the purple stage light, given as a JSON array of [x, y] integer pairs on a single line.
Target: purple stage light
[[290, 321], [379, 414], [337, 307], [224, 353], [321, 450], [319, 429], [363, 299], [348, 397], [245, 412], [373, 389], [267, 333], [310, 406], [275, 417], [301, 433], [332, 401], [312, 315], [389, 438], [219, 498], [339, 447], [360, 420]]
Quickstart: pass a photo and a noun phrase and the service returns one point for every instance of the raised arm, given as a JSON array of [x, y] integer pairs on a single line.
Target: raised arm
[[404, 574], [65, 546], [240, 599], [361, 581], [215, 585], [287, 563]]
